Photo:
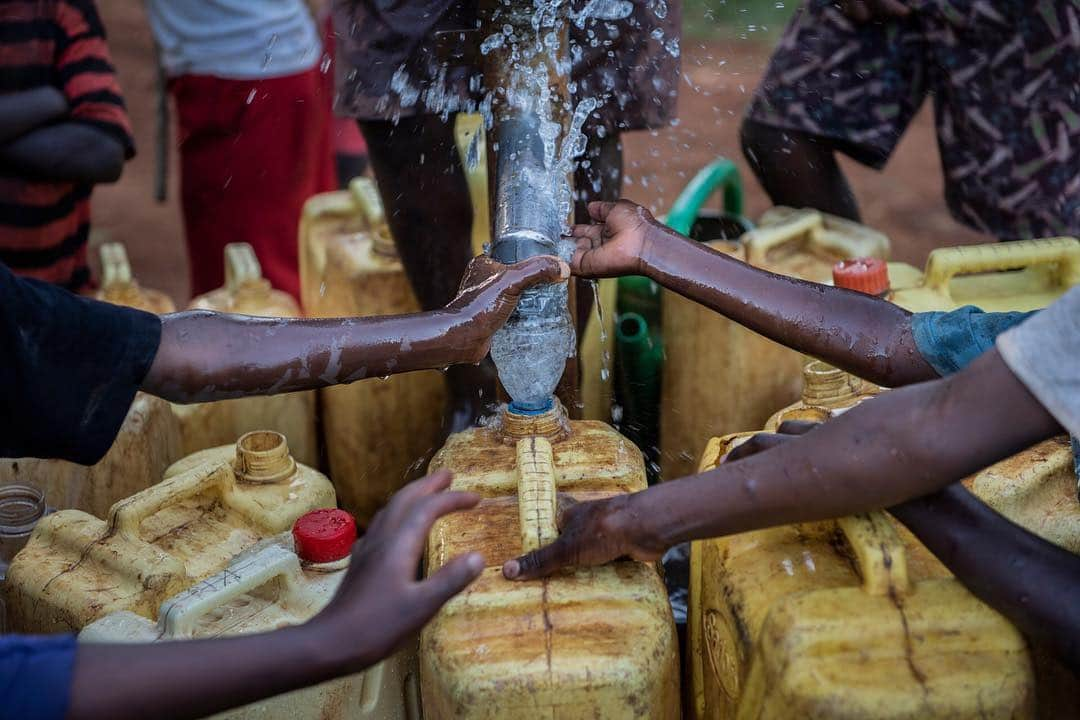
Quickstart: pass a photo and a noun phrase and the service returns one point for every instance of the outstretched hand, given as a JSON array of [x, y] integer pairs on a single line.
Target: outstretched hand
[[380, 602], [591, 533], [616, 244], [490, 291]]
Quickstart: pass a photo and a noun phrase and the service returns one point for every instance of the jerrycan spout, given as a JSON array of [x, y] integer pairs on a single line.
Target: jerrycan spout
[[263, 457]]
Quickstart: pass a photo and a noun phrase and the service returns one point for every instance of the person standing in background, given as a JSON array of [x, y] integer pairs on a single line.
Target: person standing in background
[[848, 77], [253, 117], [63, 129]]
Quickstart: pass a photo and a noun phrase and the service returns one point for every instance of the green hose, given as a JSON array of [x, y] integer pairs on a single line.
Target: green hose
[[639, 360]]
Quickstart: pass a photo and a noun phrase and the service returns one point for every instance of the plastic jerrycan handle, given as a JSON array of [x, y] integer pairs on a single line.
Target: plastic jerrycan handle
[[126, 515], [809, 227], [115, 268], [180, 614], [367, 197], [879, 551], [536, 493], [719, 174], [241, 266], [946, 263]]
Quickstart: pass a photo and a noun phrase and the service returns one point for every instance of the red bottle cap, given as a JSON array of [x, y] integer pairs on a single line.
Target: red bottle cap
[[865, 275], [324, 535]]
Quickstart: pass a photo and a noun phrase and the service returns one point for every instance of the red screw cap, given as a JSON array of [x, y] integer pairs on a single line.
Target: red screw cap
[[865, 275], [324, 535]]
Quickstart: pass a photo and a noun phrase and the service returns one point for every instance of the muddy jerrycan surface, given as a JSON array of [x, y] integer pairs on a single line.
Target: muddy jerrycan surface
[[158, 542], [848, 618], [282, 581], [585, 643], [206, 425], [147, 442], [379, 432], [706, 350]]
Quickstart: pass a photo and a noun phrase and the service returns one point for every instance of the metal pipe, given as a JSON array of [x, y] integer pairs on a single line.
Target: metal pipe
[[526, 62]]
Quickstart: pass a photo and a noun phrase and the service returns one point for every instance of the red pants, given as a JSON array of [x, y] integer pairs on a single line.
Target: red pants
[[251, 153]]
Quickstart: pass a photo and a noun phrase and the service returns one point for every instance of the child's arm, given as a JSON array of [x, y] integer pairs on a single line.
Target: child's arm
[[212, 356], [864, 335], [377, 607], [23, 111], [1025, 578], [904, 444], [65, 152]]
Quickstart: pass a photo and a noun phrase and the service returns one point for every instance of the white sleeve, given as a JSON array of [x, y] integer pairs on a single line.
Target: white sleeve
[[1044, 353]]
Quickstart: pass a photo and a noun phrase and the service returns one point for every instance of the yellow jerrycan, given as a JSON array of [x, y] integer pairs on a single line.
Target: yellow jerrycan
[[597, 346], [586, 643], [206, 425], [147, 442], [998, 277], [378, 432], [703, 349], [282, 581], [325, 216], [77, 568], [848, 618]]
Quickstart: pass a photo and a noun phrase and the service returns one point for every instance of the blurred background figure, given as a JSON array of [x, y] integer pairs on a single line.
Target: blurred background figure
[[252, 100], [849, 77], [63, 129], [391, 78]]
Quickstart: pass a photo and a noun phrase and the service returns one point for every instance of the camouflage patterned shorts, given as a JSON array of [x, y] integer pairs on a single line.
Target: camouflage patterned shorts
[[1005, 77]]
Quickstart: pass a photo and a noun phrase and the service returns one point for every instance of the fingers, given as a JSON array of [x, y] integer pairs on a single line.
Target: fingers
[[535, 270], [599, 210], [757, 443], [542, 562], [448, 581], [403, 501], [796, 427]]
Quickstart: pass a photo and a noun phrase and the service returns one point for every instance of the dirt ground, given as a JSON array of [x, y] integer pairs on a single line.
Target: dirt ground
[[905, 201]]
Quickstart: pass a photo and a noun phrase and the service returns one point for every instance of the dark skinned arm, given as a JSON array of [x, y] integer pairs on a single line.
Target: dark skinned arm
[[65, 152], [865, 335], [918, 439], [999, 561], [1028, 580], [23, 111], [377, 607], [212, 356]]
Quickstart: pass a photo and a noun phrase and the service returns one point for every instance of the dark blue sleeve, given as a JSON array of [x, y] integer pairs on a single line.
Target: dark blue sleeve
[[949, 341], [69, 369], [35, 676]]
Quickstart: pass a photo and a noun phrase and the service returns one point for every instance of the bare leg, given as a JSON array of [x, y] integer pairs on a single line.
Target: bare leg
[[797, 169], [423, 188]]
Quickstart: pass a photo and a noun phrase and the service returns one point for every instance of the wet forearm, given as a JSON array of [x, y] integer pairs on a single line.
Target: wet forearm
[[21, 112], [194, 679], [865, 335], [212, 356], [66, 152], [1027, 579], [904, 444]]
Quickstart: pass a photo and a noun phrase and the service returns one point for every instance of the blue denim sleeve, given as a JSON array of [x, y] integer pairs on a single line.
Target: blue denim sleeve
[[35, 676], [949, 341]]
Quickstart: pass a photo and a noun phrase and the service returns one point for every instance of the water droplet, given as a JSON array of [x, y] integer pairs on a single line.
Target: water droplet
[[251, 96]]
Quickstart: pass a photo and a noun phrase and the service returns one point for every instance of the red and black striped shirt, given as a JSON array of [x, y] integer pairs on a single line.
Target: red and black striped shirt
[[44, 225]]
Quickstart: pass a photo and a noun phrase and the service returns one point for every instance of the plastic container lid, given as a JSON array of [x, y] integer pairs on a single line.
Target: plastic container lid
[[324, 535], [865, 275]]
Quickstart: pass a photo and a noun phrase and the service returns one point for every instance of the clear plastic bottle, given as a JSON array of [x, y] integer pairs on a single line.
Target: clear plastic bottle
[[531, 349]]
